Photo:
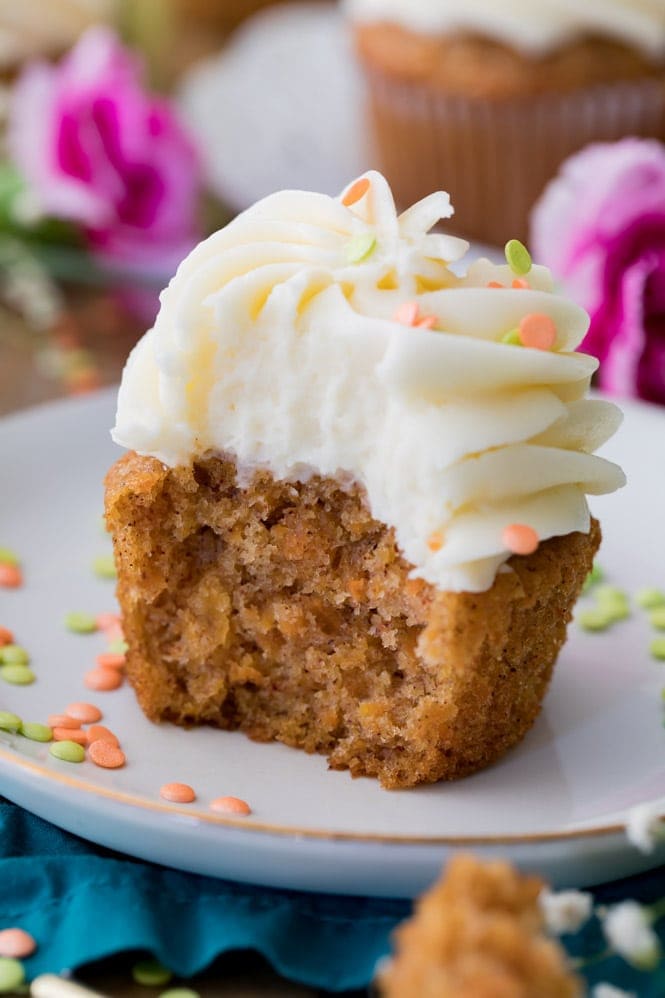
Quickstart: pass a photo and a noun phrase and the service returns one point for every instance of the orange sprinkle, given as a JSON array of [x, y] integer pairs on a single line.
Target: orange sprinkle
[[103, 680], [521, 282], [106, 620], [87, 713], [106, 755], [356, 192], [427, 322], [178, 793], [407, 313], [435, 541], [114, 633], [495, 284], [230, 805], [70, 735], [537, 331], [98, 733], [520, 538], [6, 636], [111, 660], [16, 943], [11, 576], [63, 721]]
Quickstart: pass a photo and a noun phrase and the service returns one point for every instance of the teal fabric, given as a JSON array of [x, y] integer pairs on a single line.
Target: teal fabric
[[82, 903]]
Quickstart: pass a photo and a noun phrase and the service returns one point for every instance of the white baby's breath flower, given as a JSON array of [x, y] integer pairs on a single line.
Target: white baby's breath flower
[[609, 991], [628, 931], [644, 827], [565, 911]]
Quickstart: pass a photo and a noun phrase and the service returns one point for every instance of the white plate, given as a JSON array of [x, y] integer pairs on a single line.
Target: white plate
[[556, 803]]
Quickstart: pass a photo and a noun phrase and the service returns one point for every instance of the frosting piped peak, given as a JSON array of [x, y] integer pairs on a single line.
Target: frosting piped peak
[[319, 335]]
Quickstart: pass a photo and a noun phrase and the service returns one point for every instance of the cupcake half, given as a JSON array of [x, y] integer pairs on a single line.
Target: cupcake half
[[353, 517], [488, 99]]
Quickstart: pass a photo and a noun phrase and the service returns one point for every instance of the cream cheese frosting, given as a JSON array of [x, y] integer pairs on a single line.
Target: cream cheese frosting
[[531, 26], [282, 341]]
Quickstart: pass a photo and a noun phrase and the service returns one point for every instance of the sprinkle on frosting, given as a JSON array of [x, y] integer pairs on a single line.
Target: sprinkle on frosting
[[519, 538], [278, 346], [356, 191], [537, 331], [518, 257]]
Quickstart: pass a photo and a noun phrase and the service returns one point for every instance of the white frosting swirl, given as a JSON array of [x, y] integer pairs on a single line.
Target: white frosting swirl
[[271, 346], [531, 26]]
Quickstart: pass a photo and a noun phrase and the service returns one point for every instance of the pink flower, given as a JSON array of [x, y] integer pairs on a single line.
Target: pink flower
[[600, 227], [96, 149]]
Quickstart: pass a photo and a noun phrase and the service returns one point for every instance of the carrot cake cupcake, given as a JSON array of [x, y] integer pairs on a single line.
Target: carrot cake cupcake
[[353, 517], [489, 98]]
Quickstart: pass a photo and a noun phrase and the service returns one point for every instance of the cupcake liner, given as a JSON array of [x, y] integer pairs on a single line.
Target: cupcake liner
[[496, 156]]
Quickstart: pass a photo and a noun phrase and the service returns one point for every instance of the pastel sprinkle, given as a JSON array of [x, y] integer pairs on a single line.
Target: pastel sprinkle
[[657, 618], [103, 680], [594, 620], [518, 257], [512, 338], [427, 322], [355, 192], [70, 735], [16, 943], [495, 284], [67, 751], [230, 805], [105, 621], [63, 721], [9, 557], [178, 793], [613, 602], [435, 541], [36, 732], [360, 247], [86, 713], [657, 649], [650, 599], [105, 754], [104, 567], [521, 284], [520, 538], [10, 722], [151, 973], [14, 655], [11, 576], [595, 575], [17, 675], [80, 623], [6, 636], [537, 331], [407, 313], [97, 733], [110, 660], [12, 975]]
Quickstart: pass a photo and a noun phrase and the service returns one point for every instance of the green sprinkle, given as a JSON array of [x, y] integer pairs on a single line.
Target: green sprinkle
[[68, 751], [180, 993], [613, 602], [12, 975], [104, 566], [595, 575], [14, 655], [118, 646], [9, 722], [518, 257], [360, 247], [9, 557], [595, 620], [151, 973], [650, 599], [80, 623], [36, 732], [657, 618], [657, 648], [512, 338], [17, 675]]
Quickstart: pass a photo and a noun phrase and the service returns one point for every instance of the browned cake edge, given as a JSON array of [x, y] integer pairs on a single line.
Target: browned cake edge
[[285, 610]]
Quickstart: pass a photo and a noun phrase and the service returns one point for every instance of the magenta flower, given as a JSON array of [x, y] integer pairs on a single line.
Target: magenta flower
[[600, 227], [98, 150]]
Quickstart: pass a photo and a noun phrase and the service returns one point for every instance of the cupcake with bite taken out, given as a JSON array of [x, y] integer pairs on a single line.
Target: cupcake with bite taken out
[[489, 98], [353, 514]]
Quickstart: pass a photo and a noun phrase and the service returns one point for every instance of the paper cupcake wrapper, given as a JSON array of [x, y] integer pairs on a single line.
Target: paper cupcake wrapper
[[496, 157]]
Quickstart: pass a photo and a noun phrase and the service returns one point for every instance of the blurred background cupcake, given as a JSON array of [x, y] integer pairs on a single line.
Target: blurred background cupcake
[[487, 99]]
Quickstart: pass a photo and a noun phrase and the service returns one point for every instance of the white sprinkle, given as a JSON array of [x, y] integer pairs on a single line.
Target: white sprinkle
[[644, 827], [565, 911], [628, 931], [609, 991]]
